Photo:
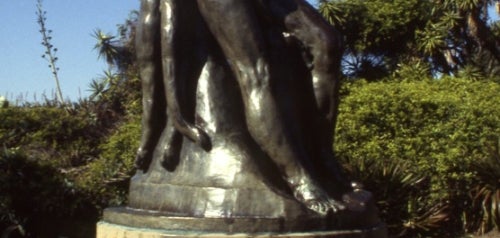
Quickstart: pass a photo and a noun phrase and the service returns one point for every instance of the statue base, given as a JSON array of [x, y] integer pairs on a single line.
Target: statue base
[[233, 190], [130, 223]]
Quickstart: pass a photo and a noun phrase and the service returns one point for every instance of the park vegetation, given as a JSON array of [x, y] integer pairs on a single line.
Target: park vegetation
[[419, 125]]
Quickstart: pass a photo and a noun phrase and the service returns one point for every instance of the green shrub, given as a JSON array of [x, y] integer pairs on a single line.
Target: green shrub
[[55, 135], [435, 128], [43, 150], [35, 196], [107, 177]]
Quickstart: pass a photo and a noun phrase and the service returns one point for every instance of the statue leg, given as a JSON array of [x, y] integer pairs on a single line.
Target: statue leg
[[235, 26], [325, 46], [159, 68], [153, 99], [180, 64]]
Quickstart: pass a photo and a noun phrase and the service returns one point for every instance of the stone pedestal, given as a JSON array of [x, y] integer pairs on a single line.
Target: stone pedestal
[[128, 223]]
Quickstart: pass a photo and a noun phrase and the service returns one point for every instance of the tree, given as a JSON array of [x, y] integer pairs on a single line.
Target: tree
[[118, 51], [119, 86], [381, 35]]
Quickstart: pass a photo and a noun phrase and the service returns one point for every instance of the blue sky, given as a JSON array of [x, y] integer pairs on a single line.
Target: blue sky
[[24, 73], [22, 69]]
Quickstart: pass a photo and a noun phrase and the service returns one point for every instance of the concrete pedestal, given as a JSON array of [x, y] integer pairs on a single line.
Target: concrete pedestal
[[107, 230], [127, 223]]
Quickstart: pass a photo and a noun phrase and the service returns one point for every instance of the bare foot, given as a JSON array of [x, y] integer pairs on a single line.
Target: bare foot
[[315, 198]]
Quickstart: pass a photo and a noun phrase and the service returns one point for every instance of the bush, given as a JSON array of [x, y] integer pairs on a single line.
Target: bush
[[55, 135], [435, 128], [43, 150], [36, 196], [107, 178]]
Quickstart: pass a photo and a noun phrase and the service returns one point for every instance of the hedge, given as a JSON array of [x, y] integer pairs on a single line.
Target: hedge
[[414, 143]]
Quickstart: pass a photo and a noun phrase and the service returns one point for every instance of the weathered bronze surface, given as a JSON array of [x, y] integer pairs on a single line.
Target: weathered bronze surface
[[240, 100]]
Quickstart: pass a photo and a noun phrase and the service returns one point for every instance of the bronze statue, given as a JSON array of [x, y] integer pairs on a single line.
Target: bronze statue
[[253, 85], [242, 36], [165, 73], [241, 33]]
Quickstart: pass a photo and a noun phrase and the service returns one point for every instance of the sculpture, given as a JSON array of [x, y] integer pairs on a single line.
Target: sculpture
[[250, 56], [254, 87], [155, 55]]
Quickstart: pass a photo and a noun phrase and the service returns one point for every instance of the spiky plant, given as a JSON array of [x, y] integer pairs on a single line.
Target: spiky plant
[[114, 50], [486, 194], [331, 12], [471, 72], [399, 192], [106, 45]]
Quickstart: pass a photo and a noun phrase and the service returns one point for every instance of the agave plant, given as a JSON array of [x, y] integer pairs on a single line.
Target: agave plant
[[486, 194], [471, 72], [399, 192]]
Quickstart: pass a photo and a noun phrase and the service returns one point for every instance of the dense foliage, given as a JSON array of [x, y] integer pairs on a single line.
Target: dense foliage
[[418, 146], [63, 165], [449, 35], [43, 149]]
